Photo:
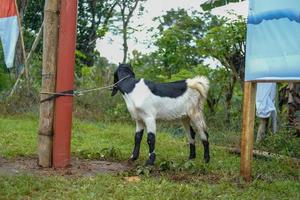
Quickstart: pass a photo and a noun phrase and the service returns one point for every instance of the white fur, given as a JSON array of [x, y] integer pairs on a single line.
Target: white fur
[[146, 107], [199, 83]]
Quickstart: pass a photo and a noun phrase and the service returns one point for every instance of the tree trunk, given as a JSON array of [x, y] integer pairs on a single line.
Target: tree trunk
[[22, 4], [45, 132], [211, 106], [125, 45], [294, 106], [19, 59], [125, 20]]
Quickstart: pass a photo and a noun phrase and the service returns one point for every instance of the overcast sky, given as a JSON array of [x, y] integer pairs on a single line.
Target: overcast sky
[[111, 46]]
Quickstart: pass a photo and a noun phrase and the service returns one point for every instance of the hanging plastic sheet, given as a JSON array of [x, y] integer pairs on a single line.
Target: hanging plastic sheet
[[273, 40], [9, 31]]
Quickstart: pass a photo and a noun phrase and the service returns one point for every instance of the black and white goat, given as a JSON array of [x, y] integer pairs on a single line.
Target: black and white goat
[[148, 102]]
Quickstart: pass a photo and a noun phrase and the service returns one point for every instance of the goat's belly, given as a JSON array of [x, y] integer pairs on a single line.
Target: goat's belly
[[170, 109]]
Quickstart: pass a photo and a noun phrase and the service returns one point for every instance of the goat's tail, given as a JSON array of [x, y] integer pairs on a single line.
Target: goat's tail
[[199, 83]]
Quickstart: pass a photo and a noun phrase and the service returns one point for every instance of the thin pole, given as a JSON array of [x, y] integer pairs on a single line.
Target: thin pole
[[50, 41], [65, 81], [35, 43], [248, 130]]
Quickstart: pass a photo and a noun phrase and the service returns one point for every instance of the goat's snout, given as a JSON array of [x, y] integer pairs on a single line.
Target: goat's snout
[[114, 90]]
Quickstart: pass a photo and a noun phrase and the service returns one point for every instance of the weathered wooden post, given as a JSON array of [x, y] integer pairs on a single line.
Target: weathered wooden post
[[45, 132], [248, 129]]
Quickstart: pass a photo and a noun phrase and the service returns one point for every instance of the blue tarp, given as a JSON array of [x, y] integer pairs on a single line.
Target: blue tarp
[[9, 33], [273, 40]]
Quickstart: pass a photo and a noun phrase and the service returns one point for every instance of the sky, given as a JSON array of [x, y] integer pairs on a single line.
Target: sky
[[111, 46]]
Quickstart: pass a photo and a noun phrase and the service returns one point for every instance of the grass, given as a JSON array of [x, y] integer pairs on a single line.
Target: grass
[[173, 177]]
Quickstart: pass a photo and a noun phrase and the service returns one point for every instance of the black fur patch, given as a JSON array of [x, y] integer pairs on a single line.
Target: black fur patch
[[127, 85], [192, 146], [206, 148], [206, 151], [137, 143], [192, 132], [192, 151], [124, 72], [172, 90], [151, 159], [151, 143]]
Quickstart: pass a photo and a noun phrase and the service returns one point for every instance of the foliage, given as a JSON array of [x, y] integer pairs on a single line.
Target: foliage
[[126, 9], [5, 79], [176, 39], [210, 4], [33, 15], [92, 24], [226, 43]]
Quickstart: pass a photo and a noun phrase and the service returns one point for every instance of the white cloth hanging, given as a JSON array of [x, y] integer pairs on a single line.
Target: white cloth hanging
[[265, 99]]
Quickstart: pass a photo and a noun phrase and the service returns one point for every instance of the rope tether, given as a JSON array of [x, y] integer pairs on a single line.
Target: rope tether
[[77, 92]]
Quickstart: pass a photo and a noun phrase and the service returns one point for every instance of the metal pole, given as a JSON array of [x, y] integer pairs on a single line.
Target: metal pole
[[64, 81]]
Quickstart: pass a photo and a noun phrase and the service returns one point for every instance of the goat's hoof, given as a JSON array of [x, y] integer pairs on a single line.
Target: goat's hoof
[[206, 159], [134, 156], [133, 159], [192, 157], [151, 159], [149, 163]]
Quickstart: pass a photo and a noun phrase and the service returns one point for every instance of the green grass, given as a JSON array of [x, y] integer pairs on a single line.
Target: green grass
[[114, 187], [171, 178]]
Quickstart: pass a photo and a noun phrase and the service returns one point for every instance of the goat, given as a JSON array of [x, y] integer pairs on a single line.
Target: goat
[[148, 101]]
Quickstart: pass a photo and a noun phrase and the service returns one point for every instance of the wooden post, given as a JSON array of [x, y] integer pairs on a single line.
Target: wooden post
[[248, 129], [45, 132]]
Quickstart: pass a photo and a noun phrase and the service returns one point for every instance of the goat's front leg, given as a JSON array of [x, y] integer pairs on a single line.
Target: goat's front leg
[[137, 140], [151, 129]]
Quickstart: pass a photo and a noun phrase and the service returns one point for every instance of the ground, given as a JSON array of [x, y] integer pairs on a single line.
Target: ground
[[78, 168], [100, 169]]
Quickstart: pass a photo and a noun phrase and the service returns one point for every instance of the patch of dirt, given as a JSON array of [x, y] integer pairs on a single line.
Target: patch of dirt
[[78, 167]]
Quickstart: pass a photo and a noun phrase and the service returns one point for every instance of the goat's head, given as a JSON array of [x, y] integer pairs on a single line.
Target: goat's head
[[123, 70]]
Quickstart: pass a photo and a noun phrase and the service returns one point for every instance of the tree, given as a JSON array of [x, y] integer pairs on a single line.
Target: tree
[[210, 4], [177, 37], [93, 21], [127, 8], [226, 43]]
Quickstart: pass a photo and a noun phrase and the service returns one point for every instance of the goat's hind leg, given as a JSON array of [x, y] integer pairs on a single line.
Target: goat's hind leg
[[137, 140], [191, 137], [199, 124]]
